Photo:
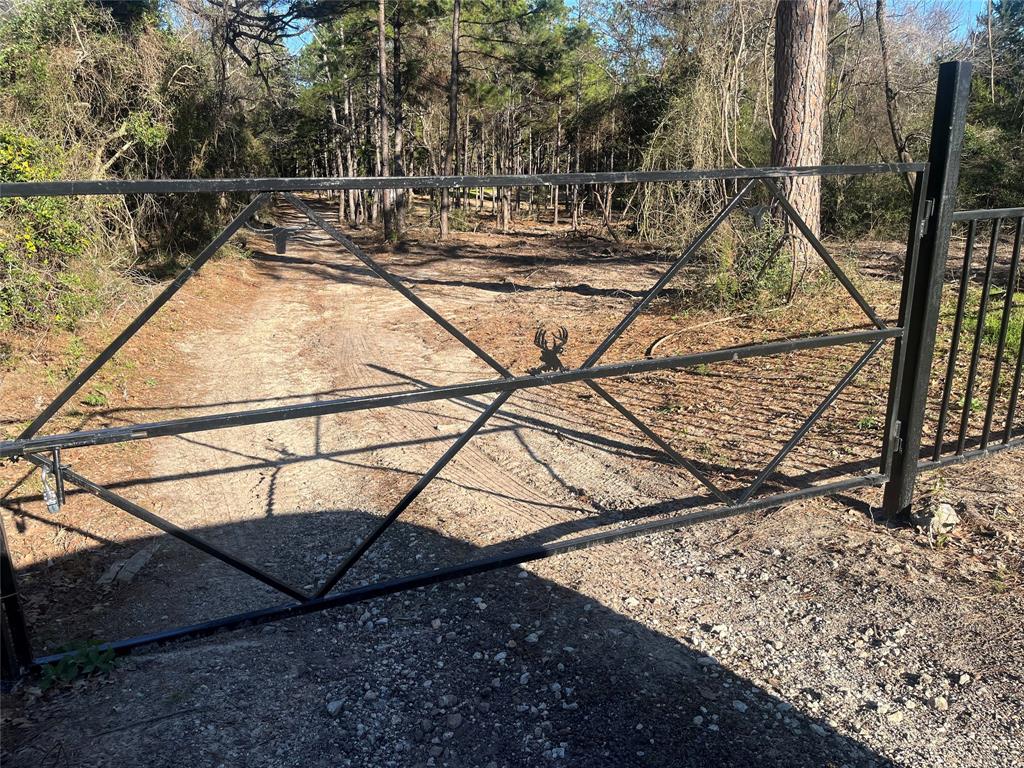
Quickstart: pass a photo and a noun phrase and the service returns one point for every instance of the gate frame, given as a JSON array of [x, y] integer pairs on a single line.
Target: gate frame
[[914, 335]]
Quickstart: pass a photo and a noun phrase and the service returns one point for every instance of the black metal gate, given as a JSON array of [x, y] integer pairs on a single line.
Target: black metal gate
[[913, 339]]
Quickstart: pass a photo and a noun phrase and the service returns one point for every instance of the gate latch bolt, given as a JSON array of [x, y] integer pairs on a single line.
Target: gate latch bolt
[[929, 209], [53, 496]]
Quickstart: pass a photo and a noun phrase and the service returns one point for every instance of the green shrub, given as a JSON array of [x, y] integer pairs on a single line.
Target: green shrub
[[749, 268], [875, 204], [39, 239], [98, 89]]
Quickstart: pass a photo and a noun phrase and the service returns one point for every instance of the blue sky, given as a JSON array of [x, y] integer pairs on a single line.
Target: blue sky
[[969, 11], [294, 44], [966, 11]]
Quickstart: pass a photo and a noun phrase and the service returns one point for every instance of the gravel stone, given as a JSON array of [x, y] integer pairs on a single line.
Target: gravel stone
[[334, 708]]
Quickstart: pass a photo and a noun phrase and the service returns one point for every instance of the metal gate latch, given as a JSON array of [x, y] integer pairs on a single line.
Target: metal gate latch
[[54, 496]]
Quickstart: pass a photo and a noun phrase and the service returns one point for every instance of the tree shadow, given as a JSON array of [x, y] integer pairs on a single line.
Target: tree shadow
[[499, 668]]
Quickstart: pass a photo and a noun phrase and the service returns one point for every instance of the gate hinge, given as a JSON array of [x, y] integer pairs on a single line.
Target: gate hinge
[[897, 438], [929, 209]]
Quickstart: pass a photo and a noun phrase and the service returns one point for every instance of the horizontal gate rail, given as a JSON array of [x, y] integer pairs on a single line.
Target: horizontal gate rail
[[14, 448], [984, 214], [179, 186], [473, 567], [1016, 440], [932, 215]]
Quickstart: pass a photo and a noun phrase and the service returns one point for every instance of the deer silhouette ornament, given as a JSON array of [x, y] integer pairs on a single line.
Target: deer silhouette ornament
[[550, 349]]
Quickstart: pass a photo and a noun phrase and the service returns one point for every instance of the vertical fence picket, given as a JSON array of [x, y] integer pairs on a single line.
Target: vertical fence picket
[[979, 333], [954, 341], [1004, 327], [1011, 410]]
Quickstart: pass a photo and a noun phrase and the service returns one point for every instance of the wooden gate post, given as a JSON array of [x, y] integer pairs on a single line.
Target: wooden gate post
[[922, 287]]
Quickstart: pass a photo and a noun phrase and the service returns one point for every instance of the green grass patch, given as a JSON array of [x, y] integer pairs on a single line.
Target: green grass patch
[[993, 321], [97, 398], [85, 660]]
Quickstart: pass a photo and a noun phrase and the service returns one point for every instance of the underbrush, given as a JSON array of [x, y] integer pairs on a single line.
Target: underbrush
[[741, 268], [87, 93], [751, 268], [39, 240]]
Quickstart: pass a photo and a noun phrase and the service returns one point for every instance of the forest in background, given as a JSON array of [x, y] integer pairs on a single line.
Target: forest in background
[[220, 88]]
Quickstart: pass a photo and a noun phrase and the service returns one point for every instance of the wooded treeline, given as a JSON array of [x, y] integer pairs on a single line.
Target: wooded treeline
[[204, 88], [599, 86]]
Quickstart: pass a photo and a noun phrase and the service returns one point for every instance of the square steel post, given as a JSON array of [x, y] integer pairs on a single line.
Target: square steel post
[[15, 646], [922, 286]]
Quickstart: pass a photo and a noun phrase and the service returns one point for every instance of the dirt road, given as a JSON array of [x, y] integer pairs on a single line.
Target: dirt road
[[803, 636]]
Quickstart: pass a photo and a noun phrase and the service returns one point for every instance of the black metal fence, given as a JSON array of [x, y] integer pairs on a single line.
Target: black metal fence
[[981, 370], [912, 337]]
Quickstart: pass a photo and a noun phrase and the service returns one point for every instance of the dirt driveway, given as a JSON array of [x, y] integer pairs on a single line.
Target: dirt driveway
[[808, 635]]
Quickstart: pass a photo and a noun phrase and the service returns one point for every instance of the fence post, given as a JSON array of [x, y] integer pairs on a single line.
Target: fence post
[[15, 648], [922, 286]]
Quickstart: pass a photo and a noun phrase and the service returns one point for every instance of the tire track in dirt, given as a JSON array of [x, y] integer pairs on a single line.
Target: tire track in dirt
[[307, 330]]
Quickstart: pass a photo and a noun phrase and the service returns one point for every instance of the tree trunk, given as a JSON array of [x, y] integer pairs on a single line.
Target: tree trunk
[[480, 166], [494, 167], [354, 196], [798, 110], [576, 202], [402, 195], [387, 195], [460, 165], [507, 158], [335, 137], [554, 157], [453, 115], [529, 170], [372, 129]]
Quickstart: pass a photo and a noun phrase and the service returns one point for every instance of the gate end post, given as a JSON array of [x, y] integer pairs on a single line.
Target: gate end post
[[15, 646], [922, 287]]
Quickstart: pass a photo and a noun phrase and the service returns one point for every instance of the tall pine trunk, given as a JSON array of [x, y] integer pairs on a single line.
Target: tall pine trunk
[[336, 127], [554, 158], [387, 195], [402, 195], [357, 211], [798, 110], [453, 114]]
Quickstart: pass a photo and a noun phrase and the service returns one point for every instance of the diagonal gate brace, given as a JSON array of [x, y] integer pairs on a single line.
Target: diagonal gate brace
[[151, 309], [170, 528], [500, 400]]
